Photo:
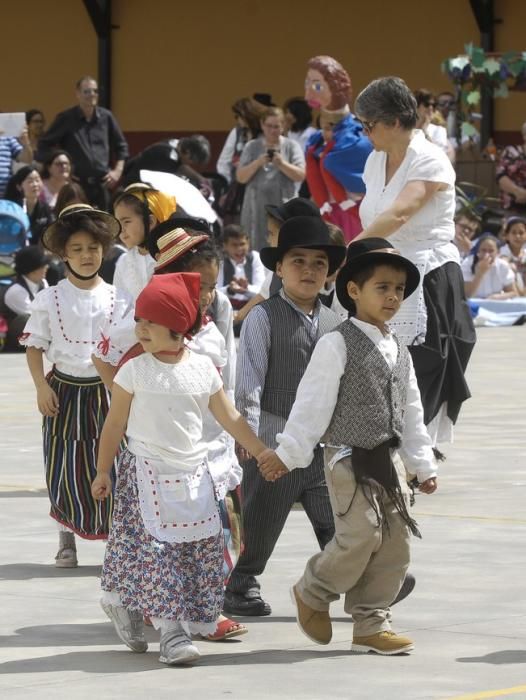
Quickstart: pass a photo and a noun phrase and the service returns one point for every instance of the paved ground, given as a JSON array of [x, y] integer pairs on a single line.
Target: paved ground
[[467, 614]]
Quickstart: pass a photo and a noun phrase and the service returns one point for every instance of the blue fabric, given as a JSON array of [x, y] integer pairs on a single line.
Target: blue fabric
[[346, 160], [14, 226]]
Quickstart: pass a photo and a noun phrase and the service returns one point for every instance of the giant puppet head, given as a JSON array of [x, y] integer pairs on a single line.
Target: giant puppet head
[[327, 84]]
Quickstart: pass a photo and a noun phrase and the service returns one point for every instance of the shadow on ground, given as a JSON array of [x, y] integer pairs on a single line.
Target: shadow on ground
[[127, 662], [506, 656], [25, 571]]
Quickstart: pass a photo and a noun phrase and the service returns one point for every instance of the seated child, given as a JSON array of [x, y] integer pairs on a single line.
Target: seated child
[[359, 394], [31, 266], [241, 273], [467, 227], [486, 275], [514, 250]]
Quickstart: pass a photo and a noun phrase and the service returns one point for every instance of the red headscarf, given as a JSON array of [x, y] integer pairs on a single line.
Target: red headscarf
[[171, 300]]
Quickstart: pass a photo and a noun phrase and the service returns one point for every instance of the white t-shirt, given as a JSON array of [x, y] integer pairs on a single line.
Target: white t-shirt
[[66, 323], [499, 275], [427, 237], [133, 271], [168, 407]]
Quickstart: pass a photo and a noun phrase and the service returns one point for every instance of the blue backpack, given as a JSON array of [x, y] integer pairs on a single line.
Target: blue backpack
[[14, 227]]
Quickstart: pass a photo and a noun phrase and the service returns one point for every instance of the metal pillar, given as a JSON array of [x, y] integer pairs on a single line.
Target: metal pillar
[[484, 12], [99, 12]]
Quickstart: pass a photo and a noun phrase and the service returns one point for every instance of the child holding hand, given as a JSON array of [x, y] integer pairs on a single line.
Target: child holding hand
[[368, 409], [164, 557]]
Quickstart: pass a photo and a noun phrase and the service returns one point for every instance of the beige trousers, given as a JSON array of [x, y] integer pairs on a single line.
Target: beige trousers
[[365, 561]]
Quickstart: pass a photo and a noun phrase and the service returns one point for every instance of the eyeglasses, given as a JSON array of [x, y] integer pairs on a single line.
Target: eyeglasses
[[367, 126], [90, 91]]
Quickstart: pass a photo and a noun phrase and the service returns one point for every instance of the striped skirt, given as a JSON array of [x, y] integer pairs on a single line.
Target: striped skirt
[[232, 522], [70, 452]]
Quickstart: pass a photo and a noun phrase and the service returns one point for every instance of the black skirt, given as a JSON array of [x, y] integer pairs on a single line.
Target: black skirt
[[441, 361]]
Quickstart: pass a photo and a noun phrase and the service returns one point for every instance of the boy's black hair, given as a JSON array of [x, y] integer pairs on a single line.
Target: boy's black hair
[[364, 274], [233, 231], [204, 252]]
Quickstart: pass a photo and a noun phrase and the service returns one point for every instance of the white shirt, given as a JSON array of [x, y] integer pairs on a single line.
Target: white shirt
[[224, 163], [301, 137], [317, 396], [427, 237], [498, 276], [168, 407], [258, 275], [133, 271], [264, 290], [17, 297], [66, 322]]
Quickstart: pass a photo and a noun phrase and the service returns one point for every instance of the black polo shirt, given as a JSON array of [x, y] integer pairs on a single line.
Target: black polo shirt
[[91, 144]]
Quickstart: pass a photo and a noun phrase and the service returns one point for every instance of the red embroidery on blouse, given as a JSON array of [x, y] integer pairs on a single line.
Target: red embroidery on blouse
[[61, 322]]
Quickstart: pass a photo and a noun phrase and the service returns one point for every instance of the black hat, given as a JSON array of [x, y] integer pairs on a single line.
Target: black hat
[[174, 222], [303, 232], [30, 259], [264, 98], [299, 206], [377, 251]]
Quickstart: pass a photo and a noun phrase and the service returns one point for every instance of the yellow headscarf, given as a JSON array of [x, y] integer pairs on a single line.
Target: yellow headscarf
[[161, 205]]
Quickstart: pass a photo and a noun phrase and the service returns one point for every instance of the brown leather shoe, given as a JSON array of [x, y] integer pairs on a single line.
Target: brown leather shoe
[[386, 643], [315, 624]]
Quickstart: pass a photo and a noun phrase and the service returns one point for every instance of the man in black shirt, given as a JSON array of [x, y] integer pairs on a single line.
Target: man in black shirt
[[93, 139]]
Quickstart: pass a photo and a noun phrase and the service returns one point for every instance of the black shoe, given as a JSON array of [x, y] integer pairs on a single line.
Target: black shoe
[[246, 604], [407, 587]]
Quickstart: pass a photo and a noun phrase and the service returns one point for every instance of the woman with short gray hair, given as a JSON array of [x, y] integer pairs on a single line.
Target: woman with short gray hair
[[410, 199]]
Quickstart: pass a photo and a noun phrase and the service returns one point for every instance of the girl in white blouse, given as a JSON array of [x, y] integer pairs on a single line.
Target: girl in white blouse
[[64, 325], [138, 209], [165, 551]]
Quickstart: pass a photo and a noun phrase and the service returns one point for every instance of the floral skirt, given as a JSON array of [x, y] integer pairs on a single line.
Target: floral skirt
[[173, 581]]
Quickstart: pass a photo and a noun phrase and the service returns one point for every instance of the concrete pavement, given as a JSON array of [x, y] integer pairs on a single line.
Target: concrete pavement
[[467, 614]]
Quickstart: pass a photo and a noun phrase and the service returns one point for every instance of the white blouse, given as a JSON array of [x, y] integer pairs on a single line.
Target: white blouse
[[65, 322], [498, 276], [133, 271], [168, 407], [427, 237]]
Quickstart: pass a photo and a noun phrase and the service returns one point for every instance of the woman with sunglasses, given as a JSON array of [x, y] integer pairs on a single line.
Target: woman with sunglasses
[[431, 121], [410, 200]]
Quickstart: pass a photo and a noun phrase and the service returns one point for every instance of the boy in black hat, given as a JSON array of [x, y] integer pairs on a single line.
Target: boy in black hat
[[277, 340], [31, 266], [276, 217], [360, 393]]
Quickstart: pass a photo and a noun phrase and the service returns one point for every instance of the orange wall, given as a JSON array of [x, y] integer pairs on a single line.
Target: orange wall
[[178, 66]]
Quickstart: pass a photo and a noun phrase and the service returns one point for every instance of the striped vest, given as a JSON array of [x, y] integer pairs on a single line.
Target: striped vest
[[290, 352], [372, 397]]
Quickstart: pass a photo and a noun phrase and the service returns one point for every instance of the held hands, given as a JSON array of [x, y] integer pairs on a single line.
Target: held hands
[[47, 400], [101, 486], [271, 466], [428, 486]]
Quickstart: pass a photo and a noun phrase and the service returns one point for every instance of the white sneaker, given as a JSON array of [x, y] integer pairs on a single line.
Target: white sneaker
[[177, 648], [129, 625]]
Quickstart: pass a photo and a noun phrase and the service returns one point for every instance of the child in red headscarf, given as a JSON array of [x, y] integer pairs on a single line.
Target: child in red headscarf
[[164, 557]]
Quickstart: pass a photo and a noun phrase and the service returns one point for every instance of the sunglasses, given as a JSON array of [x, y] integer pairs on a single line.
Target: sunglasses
[[429, 104]]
